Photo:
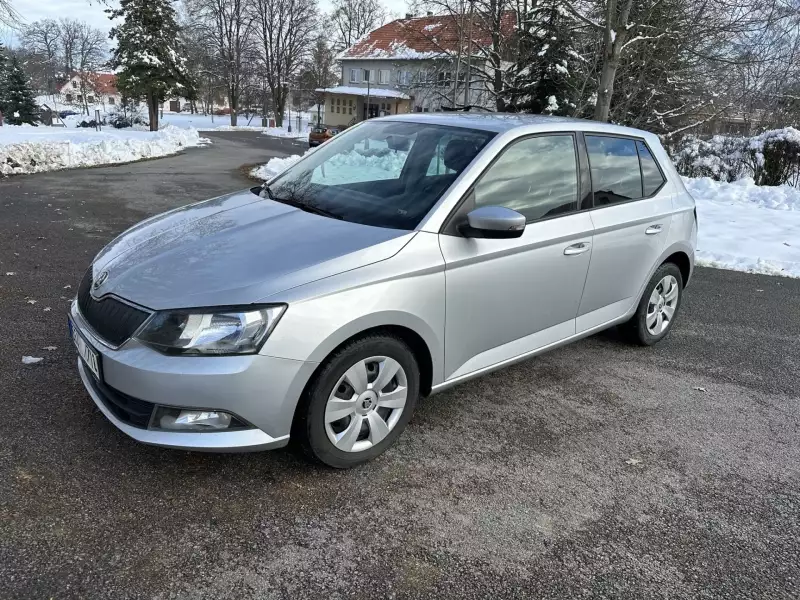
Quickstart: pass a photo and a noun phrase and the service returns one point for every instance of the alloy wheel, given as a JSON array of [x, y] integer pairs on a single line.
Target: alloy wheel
[[366, 403], [661, 306]]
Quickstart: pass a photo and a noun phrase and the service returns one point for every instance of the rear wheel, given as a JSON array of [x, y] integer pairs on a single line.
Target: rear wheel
[[658, 307], [359, 402]]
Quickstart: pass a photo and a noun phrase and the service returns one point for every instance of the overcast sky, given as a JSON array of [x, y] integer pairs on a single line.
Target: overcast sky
[[91, 11]]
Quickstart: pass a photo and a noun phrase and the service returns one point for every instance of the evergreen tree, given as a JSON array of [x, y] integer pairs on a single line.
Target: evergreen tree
[[148, 53], [3, 84], [21, 103], [18, 101], [544, 84]]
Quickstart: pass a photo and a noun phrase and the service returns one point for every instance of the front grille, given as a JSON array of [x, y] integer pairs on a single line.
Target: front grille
[[112, 320], [127, 409]]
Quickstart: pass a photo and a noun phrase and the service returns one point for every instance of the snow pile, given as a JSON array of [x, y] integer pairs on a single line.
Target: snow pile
[[273, 167], [745, 227], [37, 149], [349, 167]]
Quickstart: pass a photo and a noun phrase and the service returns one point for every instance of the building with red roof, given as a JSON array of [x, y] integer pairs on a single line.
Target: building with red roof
[[415, 64]]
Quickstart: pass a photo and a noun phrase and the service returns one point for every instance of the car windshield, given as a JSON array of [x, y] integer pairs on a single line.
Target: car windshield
[[380, 173]]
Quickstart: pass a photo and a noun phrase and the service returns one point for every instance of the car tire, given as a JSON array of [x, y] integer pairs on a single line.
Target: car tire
[[658, 307], [343, 398]]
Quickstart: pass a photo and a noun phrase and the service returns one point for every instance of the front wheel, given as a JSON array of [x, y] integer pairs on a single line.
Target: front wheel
[[359, 402], [658, 307]]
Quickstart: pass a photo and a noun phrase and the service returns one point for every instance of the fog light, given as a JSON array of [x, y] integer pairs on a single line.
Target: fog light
[[176, 419]]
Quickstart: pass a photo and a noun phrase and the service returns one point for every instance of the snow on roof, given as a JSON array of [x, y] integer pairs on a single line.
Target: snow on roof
[[362, 91], [422, 38]]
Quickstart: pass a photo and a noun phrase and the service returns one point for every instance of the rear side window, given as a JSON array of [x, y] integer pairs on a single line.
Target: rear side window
[[614, 163], [652, 179], [537, 177]]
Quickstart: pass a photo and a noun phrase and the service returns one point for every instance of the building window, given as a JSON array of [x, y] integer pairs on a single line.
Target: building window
[[384, 76], [111, 100], [369, 75], [331, 104], [462, 76], [338, 109], [338, 101], [80, 98], [404, 77], [355, 75], [351, 102], [351, 110], [74, 85], [90, 99], [69, 97], [444, 78]]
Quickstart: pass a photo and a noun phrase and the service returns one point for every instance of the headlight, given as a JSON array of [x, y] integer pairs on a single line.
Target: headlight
[[213, 331]]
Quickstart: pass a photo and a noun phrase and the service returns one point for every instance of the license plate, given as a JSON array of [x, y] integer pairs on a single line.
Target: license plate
[[88, 354]]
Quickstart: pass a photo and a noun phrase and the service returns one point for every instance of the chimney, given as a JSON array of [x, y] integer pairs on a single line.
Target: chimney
[[430, 13]]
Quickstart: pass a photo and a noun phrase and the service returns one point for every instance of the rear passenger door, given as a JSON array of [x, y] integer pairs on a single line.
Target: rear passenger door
[[631, 214]]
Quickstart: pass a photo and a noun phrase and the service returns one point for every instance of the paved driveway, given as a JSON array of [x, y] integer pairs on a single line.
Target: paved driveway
[[599, 470]]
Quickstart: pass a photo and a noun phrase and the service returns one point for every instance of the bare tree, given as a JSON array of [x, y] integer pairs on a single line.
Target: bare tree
[[355, 18], [228, 25], [8, 15], [319, 72], [43, 39], [89, 56], [285, 30], [70, 31]]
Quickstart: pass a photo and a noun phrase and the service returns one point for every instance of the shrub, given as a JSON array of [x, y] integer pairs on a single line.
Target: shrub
[[771, 158], [721, 158], [774, 157]]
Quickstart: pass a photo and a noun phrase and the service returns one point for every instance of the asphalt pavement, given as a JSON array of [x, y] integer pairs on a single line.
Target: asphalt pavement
[[600, 470]]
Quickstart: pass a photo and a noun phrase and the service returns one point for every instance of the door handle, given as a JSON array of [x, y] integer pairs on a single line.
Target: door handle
[[653, 229], [578, 248]]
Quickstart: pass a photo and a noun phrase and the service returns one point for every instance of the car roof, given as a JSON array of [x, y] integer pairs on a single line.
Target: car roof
[[500, 122]]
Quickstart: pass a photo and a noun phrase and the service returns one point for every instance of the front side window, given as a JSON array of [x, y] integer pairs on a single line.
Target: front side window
[[537, 177], [386, 174], [614, 165]]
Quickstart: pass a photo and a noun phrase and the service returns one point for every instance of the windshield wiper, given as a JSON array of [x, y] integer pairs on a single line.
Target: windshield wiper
[[304, 206]]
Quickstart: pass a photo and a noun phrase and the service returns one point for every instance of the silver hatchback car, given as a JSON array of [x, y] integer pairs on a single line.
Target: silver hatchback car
[[406, 255]]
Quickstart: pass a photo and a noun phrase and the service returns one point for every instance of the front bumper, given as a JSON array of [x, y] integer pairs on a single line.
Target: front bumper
[[260, 390]]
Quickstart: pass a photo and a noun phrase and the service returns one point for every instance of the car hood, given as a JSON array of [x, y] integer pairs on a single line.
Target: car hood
[[236, 249]]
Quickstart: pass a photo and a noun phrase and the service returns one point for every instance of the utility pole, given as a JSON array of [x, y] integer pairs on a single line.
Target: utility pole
[[366, 116]]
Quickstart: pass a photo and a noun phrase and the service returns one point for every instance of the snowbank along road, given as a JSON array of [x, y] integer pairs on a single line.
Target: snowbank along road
[[599, 470]]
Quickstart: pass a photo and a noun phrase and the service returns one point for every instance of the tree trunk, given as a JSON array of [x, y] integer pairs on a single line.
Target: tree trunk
[[279, 104], [605, 89], [152, 109], [234, 102]]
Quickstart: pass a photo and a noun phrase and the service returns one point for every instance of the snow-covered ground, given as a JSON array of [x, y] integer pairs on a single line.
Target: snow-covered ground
[[745, 227], [742, 226], [207, 122], [35, 149]]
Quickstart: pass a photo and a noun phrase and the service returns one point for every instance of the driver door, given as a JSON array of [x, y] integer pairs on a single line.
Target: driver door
[[508, 297]]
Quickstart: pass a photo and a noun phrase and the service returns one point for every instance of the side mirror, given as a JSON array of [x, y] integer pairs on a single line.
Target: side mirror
[[497, 222]]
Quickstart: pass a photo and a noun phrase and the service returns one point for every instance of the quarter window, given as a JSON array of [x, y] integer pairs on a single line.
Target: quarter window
[[537, 177], [614, 163], [652, 179]]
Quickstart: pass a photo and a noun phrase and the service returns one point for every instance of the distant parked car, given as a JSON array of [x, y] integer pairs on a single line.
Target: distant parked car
[[320, 134], [323, 304], [67, 113], [222, 111]]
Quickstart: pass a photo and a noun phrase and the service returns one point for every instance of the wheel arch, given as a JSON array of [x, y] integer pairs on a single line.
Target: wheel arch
[[681, 260]]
